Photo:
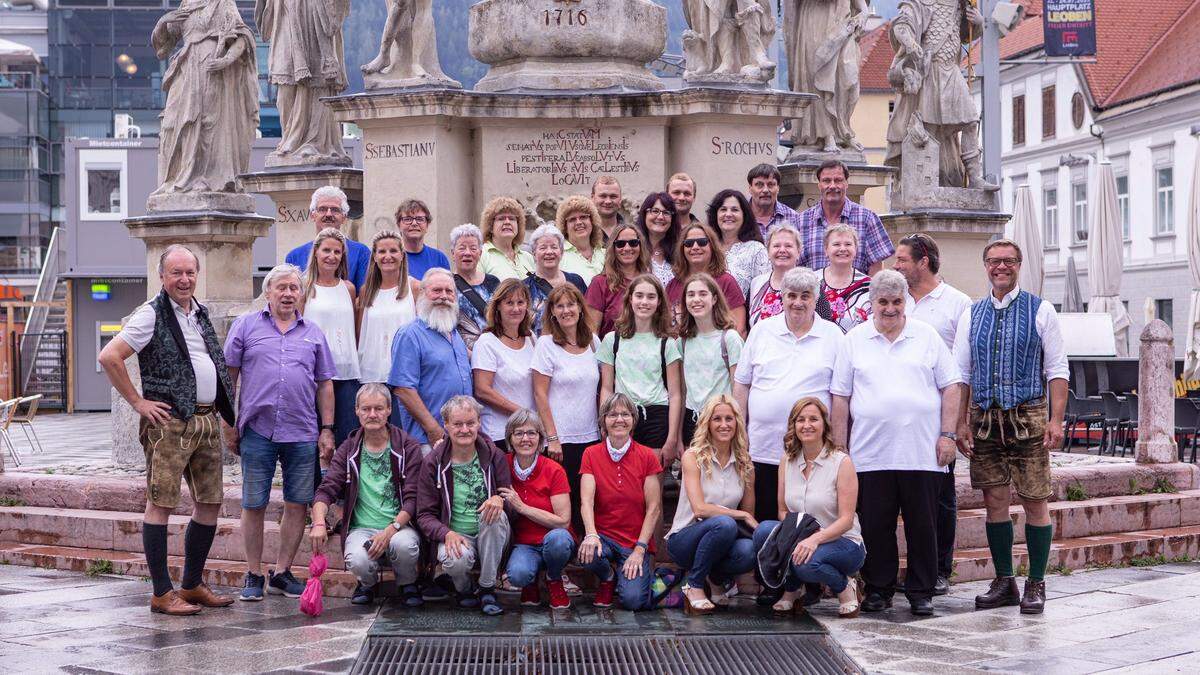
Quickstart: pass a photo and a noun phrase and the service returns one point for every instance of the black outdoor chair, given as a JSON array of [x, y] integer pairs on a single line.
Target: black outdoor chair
[[1115, 418], [1086, 411], [1128, 431], [1187, 422]]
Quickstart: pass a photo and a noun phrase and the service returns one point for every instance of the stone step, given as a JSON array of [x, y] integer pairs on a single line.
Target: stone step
[[1090, 517], [122, 532], [336, 583]]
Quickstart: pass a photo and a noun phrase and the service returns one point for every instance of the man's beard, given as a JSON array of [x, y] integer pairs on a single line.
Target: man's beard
[[441, 318]]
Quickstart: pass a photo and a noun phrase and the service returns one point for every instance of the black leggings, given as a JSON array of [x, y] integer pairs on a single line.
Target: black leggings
[[571, 460], [766, 491]]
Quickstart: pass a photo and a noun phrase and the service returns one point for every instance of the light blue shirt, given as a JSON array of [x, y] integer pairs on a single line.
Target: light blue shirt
[[436, 367], [358, 255]]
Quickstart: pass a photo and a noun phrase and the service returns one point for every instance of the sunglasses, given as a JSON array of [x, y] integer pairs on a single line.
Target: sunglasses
[[697, 242], [626, 243]]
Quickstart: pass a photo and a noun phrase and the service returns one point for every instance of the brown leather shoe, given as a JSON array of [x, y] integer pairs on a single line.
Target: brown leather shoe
[[1033, 601], [203, 595], [1002, 593], [170, 603]]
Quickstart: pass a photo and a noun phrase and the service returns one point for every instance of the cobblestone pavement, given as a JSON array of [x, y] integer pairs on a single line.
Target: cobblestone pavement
[[1117, 620]]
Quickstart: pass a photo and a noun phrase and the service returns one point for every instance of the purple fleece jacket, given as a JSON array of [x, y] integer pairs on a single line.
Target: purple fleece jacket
[[436, 485]]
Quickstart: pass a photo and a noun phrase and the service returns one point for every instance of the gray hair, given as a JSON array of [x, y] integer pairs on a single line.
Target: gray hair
[[617, 400], [373, 389], [465, 230], [547, 230], [162, 259], [799, 280], [461, 402], [785, 228], [524, 417], [434, 271], [282, 271], [888, 284], [326, 191]]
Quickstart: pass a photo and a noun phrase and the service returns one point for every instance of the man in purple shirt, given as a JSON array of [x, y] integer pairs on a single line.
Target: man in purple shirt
[[763, 181], [874, 245], [284, 365]]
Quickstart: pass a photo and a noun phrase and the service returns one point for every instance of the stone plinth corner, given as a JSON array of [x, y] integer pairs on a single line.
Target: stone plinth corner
[[1156, 395]]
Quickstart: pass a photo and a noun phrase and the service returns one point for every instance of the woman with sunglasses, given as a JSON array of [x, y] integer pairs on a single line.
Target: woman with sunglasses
[[656, 222], [698, 252], [626, 258]]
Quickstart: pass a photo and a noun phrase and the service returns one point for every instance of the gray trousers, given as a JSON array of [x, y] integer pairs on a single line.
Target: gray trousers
[[403, 553], [487, 547]]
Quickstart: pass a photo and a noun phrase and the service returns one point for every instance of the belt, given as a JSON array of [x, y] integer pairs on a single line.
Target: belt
[[206, 409]]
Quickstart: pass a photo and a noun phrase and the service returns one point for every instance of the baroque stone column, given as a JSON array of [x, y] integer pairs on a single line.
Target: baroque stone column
[[1156, 394]]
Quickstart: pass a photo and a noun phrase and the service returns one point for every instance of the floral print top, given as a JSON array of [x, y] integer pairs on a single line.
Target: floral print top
[[851, 305]]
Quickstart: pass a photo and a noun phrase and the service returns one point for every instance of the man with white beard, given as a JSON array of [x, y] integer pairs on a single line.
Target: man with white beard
[[430, 363]]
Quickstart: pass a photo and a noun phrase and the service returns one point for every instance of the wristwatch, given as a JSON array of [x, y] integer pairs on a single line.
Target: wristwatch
[[949, 434], [326, 427]]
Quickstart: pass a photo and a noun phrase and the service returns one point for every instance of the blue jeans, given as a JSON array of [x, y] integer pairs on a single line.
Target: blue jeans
[[633, 594], [711, 547], [553, 553], [259, 456], [829, 565]]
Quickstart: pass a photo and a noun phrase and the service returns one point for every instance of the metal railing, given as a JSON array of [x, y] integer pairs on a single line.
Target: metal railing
[[36, 322], [53, 346]]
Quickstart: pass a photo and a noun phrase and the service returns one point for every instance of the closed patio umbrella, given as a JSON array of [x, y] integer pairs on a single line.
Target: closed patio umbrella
[[1105, 251], [1191, 362], [1028, 234], [1072, 295]]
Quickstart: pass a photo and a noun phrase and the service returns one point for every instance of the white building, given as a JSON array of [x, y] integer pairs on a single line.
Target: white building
[[1137, 106]]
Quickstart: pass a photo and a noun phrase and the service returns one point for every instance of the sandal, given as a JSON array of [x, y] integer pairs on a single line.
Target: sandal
[[720, 595], [488, 604], [699, 607], [789, 604], [849, 609]]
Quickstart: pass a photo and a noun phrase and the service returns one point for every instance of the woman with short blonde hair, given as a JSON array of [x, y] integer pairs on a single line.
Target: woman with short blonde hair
[[503, 225], [579, 221]]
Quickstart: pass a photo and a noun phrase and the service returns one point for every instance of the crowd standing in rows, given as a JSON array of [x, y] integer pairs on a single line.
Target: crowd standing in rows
[[531, 393]]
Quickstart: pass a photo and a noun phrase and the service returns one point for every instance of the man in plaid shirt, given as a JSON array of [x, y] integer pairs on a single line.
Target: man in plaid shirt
[[763, 181], [874, 245]]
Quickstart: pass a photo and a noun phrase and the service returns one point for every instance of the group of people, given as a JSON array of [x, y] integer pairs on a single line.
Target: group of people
[[515, 406]]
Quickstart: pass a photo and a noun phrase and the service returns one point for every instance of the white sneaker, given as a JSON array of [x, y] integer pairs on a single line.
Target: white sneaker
[[570, 587]]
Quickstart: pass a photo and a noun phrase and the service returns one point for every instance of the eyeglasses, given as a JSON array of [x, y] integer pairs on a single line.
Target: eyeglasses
[[525, 433], [411, 220], [700, 242], [658, 212], [328, 209], [619, 415], [626, 243], [1006, 262]]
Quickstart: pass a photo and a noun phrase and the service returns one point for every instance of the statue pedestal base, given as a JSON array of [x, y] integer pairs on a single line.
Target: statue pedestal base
[[960, 235], [458, 149], [798, 178], [291, 189], [222, 240]]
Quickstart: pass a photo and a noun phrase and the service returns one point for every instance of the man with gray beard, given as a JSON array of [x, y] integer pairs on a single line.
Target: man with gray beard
[[430, 363]]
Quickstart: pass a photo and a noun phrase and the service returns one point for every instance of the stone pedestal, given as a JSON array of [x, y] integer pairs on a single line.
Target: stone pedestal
[[798, 178], [222, 240], [1156, 394], [458, 149], [960, 235], [291, 189]]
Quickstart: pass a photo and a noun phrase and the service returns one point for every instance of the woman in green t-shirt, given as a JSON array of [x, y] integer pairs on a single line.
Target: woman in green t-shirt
[[641, 360], [710, 346]]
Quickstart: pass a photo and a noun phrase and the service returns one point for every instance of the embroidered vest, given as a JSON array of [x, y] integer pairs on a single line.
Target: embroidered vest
[[1006, 352], [166, 366]]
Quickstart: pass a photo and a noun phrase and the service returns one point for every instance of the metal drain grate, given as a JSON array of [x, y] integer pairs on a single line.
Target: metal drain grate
[[609, 654]]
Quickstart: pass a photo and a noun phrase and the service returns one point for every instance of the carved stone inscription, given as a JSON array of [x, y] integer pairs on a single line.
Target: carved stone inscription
[[573, 156]]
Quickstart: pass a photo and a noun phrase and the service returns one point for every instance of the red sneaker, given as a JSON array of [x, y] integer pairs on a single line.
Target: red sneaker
[[604, 593], [530, 597], [558, 594]]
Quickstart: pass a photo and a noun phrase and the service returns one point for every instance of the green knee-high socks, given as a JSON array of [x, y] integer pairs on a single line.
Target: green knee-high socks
[[1037, 540], [1000, 541]]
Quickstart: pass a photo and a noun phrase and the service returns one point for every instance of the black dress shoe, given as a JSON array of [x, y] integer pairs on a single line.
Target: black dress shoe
[[1002, 593], [921, 606], [941, 586], [812, 595], [1034, 599], [768, 596], [874, 602], [362, 596]]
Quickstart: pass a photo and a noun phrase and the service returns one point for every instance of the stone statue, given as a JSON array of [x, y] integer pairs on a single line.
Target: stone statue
[[821, 38], [407, 50], [727, 41], [933, 101], [305, 63], [208, 123]]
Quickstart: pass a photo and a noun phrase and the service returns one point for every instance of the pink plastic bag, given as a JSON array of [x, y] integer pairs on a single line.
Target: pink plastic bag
[[310, 600]]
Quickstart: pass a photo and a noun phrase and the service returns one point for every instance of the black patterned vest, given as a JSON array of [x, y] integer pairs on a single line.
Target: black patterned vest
[[166, 366]]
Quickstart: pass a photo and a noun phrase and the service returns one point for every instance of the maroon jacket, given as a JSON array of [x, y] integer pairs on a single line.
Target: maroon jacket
[[341, 480], [436, 486]]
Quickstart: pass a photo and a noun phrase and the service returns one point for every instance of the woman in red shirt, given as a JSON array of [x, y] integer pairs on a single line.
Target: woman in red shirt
[[621, 501], [541, 499]]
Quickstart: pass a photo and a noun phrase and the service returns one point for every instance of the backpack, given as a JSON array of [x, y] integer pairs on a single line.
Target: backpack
[[662, 355]]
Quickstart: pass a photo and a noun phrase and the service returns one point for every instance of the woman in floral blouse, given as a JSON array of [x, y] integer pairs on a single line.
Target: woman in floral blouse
[[845, 288]]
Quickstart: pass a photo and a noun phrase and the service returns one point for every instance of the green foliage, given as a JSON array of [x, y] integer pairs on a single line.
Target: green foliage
[[1022, 570], [1060, 568], [98, 567], [1147, 561], [1076, 493], [11, 501]]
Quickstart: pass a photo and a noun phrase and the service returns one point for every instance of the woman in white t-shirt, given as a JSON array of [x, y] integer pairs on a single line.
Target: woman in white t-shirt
[[329, 302], [501, 359], [566, 381], [387, 304], [710, 345]]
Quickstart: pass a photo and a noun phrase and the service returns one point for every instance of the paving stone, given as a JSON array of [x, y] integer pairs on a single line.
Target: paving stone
[[95, 636], [190, 636], [1040, 664], [1107, 600], [10, 629], [67, 595], [920, 666], [1014, 642], [336, 666], [1147, 645], [277, 639], [942, 653], [1185, 663], [984, 621]]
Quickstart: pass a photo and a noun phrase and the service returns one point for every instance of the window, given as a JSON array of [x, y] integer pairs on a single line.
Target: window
[[103, 184], [1079, 224], [103, 189], [1165, 310], [1048, 120], [1050, 219], [1164, 200], [1123, 205], [1077, 110], [1018, 120]]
